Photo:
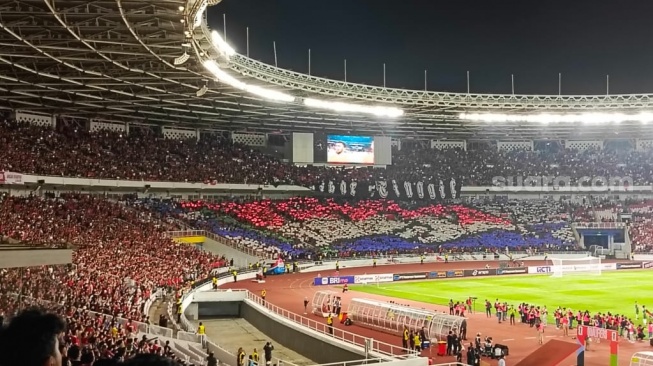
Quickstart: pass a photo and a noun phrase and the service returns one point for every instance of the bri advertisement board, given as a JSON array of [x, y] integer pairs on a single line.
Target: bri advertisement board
[[374, 278], [325, 281]]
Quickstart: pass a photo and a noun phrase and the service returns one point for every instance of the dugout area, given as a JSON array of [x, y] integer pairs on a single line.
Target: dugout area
[[392, 318]]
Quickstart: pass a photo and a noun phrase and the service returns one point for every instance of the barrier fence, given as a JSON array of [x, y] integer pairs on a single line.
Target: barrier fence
[[459, 273], [339, 334]]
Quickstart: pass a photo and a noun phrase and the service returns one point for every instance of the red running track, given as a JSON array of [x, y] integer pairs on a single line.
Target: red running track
[[288, 292]]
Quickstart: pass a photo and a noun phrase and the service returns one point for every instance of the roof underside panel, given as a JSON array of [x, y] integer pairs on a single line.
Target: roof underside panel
[[114, 60]]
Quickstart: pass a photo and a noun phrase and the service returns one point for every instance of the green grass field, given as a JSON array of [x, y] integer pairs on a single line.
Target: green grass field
[[612, 291]]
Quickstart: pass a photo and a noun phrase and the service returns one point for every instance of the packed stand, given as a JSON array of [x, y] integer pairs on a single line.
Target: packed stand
[[144, 154], [641, 228], [303, 226], [637, 213], [121, 256]]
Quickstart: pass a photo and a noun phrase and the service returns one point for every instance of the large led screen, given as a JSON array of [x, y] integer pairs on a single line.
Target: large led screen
[[350, 149]]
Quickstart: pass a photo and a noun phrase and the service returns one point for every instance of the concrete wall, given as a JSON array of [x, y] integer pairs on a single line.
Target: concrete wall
[[296, 338], [240, 259], [35, 257], [221, 309]]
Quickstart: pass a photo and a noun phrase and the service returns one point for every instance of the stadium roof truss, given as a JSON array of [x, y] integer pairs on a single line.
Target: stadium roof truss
[[119, 61]]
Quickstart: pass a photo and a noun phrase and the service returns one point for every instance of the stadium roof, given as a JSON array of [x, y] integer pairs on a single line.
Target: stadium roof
[[124, 61]]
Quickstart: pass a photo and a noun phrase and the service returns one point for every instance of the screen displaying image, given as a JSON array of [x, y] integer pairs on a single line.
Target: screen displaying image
[[350, 149]]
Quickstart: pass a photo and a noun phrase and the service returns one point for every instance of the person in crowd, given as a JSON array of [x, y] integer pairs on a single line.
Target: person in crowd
[[267, 351], [329, 321], [211, 360], [32, 338], [240, 357], [163, 321], [450, 343], [471, 355], [540, 332], [405, 338], [417, 341], [502, 361]]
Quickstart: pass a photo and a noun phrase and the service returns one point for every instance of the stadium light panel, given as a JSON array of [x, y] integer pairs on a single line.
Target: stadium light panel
[[378, 111], [221, 44], [545, 118], [199, 16], [225, 78]]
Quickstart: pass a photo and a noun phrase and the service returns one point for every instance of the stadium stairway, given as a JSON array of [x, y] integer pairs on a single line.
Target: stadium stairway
[[241, 259], [160, 306]]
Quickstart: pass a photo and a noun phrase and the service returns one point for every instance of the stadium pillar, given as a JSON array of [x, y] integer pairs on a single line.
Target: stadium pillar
[[581, 333], [584, 332]]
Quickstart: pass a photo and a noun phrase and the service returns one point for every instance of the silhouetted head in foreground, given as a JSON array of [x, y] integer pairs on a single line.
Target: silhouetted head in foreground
[[32, 339]]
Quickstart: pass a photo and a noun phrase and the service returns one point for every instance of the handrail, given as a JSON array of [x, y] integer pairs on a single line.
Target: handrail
[[599, 225], [339, 334], [395, 352]]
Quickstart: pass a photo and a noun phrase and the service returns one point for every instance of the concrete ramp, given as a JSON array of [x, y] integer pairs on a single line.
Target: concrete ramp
[[241, 259], [550, 353]]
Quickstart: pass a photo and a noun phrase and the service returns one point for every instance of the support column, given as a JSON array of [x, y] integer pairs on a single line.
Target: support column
[[581, 335]]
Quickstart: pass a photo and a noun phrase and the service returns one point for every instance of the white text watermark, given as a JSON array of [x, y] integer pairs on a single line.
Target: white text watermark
[[540, 182]]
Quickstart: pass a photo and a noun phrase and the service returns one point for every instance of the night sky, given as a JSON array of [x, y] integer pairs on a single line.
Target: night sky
[[534, 40]]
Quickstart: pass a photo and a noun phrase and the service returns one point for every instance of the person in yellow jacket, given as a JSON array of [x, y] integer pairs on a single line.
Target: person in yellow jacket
[[330, 323], [235, 274], [417, 341], [255, 356], [263, 293], [404, 339], [240, 358], [215, 283], [201, 330]]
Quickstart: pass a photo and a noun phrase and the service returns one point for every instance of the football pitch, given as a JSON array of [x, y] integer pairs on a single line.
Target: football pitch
[[615, 292]]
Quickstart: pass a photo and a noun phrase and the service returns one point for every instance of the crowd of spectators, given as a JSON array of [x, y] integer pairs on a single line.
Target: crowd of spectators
[[641, 229], [121, 256], [303, 226], [143, 154]]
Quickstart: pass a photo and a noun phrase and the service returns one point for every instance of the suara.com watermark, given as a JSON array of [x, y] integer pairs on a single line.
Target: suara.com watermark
[[539, 182]]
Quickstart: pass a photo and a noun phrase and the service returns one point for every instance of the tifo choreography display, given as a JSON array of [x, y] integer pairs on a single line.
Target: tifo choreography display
[[107, 232]]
